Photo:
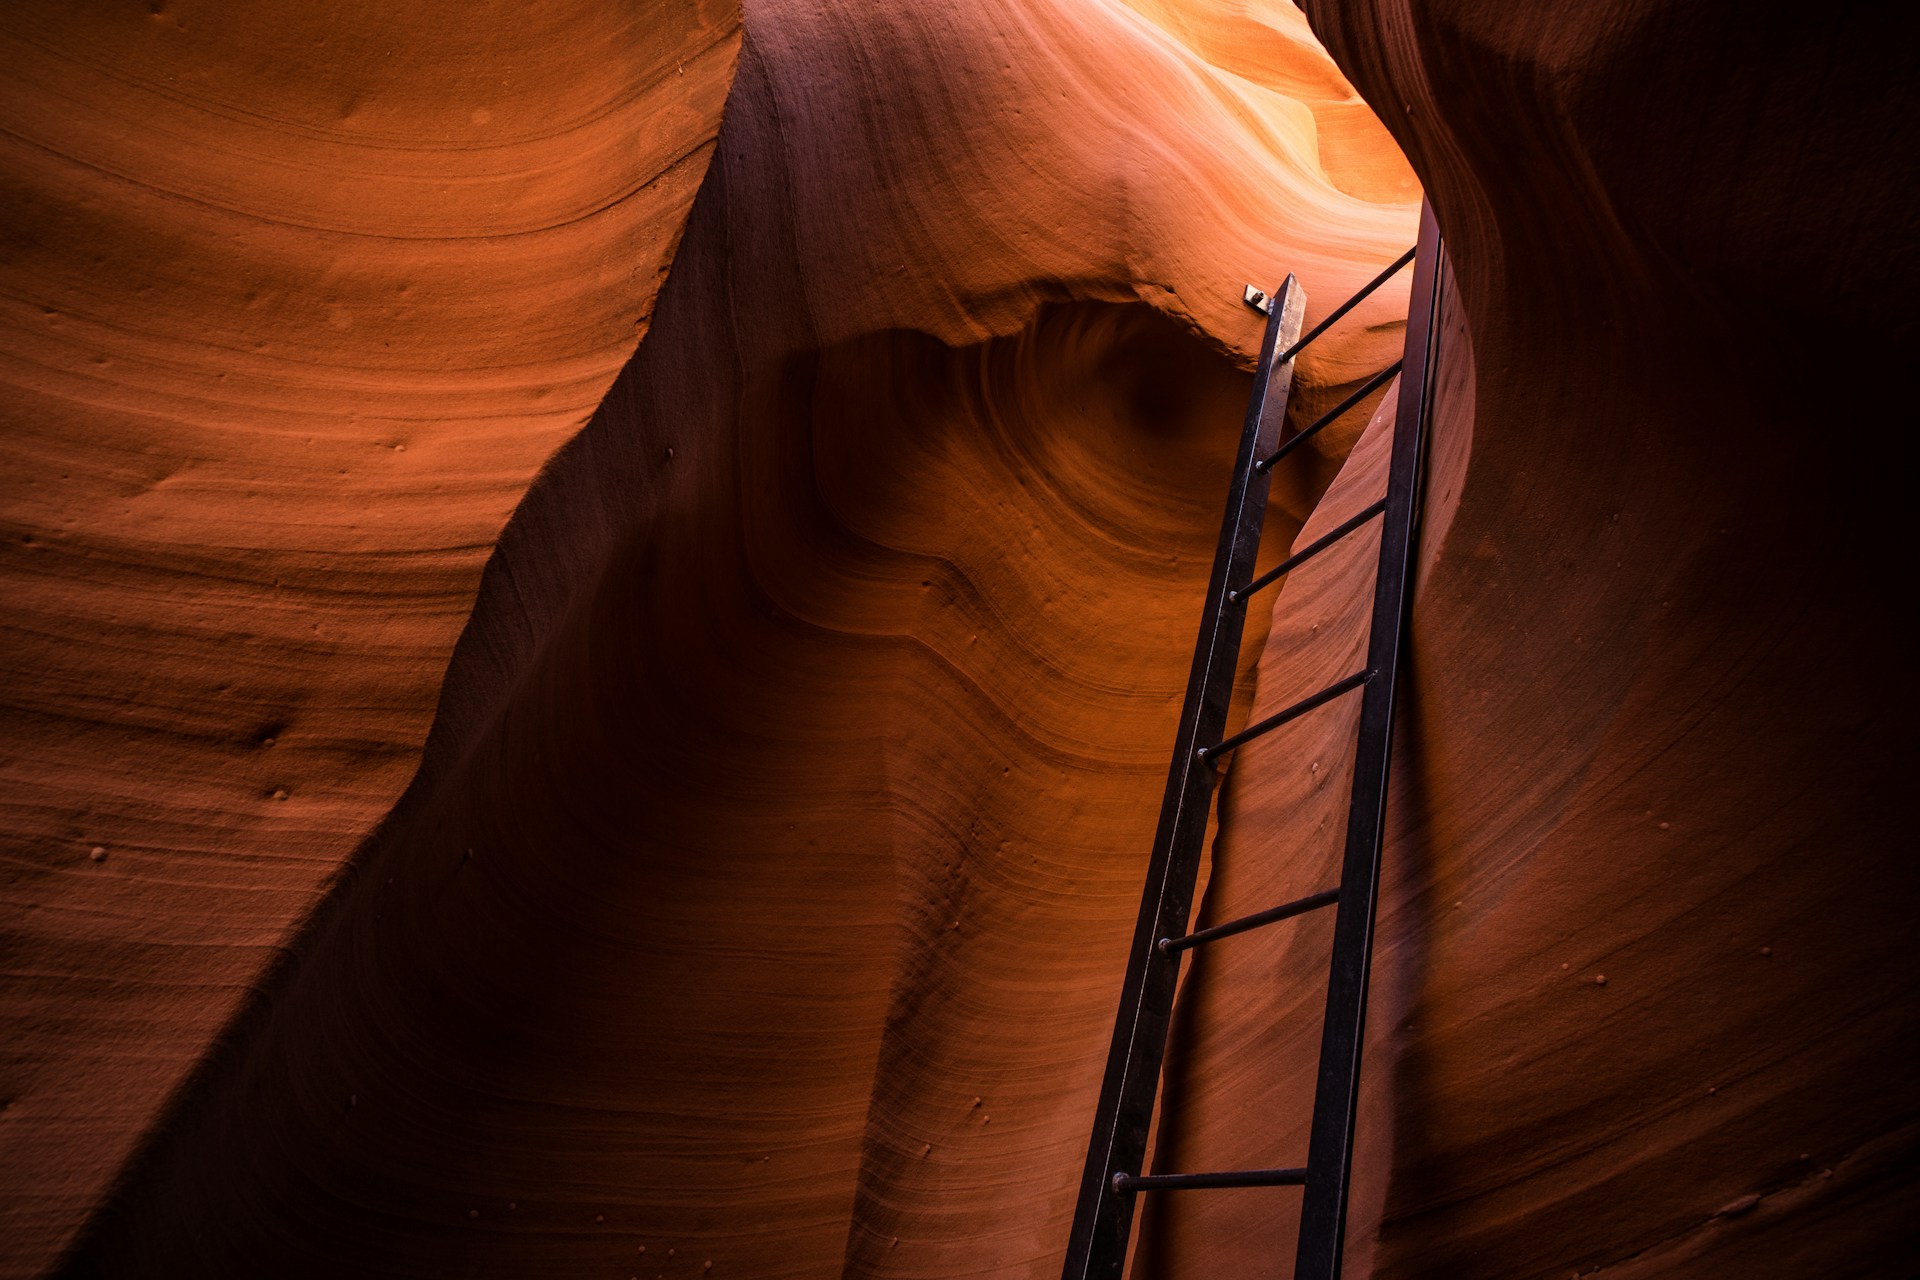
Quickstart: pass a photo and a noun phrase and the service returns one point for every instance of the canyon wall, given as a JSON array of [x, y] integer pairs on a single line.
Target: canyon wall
[[294, 300], [1643, 1005], [787, 787], [758, 903], [1646, 1005]]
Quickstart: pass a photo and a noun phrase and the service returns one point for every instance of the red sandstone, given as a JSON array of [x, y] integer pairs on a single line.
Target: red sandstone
[[756, 902]]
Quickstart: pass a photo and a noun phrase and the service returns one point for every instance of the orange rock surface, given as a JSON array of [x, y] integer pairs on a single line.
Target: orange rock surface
[[789, 785], [758, 903], [294, 299], [1643, 1004]]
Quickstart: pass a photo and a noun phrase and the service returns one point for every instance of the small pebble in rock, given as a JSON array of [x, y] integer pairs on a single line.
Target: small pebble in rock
[[1599, 979], [599, 1217], [279, 795], [1766, 951], [1666, 826], [99, 854], [473, 1213]]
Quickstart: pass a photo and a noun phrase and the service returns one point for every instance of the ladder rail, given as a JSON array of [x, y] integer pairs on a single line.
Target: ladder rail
[[1103, 1217], [1112, 1177], [1323, 1211]]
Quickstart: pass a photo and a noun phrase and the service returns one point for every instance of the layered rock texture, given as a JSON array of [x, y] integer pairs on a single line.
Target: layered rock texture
[[1663, 708], [757, 903], [816, 682], [294, 300], [789, 786]]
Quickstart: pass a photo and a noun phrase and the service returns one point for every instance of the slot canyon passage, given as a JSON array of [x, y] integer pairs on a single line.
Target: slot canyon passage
[[484, 798]]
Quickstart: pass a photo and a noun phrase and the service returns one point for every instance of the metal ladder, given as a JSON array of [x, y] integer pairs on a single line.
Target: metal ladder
[[1112, 1181]]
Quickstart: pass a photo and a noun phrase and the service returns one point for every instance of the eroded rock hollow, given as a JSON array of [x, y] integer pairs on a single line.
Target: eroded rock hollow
[[733, 879]]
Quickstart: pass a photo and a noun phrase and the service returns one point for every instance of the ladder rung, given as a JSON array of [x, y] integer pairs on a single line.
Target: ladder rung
[[1126, 1183], [1299, 558], [1293, 712], [1347, 306], [1272, 915], [1367, 388]]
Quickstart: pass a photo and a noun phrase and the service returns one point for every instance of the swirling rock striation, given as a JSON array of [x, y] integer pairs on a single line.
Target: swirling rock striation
[[294, 300], [758, 903], [1643, 1005], [758, 898]]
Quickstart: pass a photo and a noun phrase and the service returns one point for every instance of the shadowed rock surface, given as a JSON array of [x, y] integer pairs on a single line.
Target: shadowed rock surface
[[855, 614], [294, 300], [1644, 1003], [758, 905]]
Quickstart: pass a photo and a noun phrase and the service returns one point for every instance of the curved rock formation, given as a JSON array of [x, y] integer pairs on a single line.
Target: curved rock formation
[[294, 299], [1643, 1003], [758, 904], [789, 784]]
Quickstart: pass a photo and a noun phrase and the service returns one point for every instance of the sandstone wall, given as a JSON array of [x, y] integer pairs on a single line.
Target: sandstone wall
[[294, 300], [1662, 699], [760, 895], [808, 729]]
